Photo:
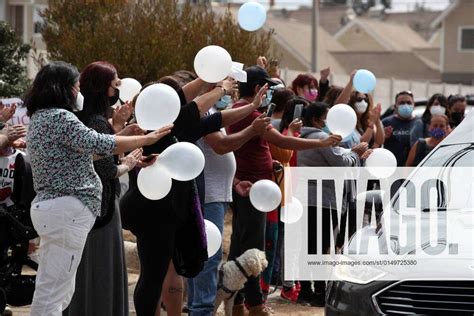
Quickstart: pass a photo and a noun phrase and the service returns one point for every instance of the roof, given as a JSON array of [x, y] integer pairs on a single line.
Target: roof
[[330, 17], [398, 65], [445, 14], [391, 36], [419, 21], [296, 38]]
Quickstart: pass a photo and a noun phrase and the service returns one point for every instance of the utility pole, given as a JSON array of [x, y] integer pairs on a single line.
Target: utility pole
[[314, 35]]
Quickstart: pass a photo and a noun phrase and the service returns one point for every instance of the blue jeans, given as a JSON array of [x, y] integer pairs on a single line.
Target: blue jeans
[[203, 288]]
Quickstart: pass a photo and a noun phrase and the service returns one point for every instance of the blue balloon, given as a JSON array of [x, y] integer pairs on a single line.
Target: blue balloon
[[364, 81], [252, 16]]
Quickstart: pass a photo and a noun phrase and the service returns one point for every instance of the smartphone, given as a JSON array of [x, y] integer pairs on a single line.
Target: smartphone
[[148, 158], [270, 109], [298, 111]]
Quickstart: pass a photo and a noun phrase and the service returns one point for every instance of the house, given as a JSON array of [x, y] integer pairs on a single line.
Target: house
[[457, 42], [23, 16], [374, 35], [295, 52]]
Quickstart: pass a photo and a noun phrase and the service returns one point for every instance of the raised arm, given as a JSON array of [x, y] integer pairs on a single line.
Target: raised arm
[[345, 95], [294, 143], [191, 90], [223, 144], [205, 101], [232, 116]]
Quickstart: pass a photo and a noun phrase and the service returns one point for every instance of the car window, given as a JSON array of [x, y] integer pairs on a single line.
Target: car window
[[460, 156], [457, 155]]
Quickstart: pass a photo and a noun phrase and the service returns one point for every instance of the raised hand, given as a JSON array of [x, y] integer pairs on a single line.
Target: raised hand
[[261, 124]]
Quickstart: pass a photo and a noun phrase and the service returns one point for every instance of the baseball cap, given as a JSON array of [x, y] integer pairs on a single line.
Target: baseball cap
[[258, 75]]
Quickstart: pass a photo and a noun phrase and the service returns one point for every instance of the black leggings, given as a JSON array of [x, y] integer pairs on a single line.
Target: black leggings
[[155, 248]]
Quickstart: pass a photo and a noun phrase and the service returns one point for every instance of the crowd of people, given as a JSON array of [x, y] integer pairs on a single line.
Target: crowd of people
[[79, 145]]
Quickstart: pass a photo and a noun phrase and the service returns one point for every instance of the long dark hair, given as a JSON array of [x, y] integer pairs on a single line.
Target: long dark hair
[[314, 110], [332, 95], [363, 122], [52, 88], [95, 81], [443, 101], [289, 112], [280, 97]]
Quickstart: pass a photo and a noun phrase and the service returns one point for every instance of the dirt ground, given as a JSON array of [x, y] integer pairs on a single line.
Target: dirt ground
[[280, 307]]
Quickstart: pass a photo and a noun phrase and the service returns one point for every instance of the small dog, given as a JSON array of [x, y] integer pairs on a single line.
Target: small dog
[[234, 273]]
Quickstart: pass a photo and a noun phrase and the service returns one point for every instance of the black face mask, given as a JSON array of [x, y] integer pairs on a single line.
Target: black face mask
[[457, 117], [113, 99]]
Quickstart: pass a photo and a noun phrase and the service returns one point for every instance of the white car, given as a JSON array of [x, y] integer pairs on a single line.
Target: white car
[[361, 294]]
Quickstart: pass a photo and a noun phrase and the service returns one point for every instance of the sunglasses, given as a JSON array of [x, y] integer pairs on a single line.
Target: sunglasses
[[362, 99]]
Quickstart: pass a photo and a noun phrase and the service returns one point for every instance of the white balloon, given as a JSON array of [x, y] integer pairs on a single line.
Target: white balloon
[[128, 89], [292, 211], [213, 64], [158, 105], [214, 238], [183, 161], [341, 120], [381, 163], [154, 182], [265, 195]]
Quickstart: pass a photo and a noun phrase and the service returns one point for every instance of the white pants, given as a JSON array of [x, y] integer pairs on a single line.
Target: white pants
[[63, 225]]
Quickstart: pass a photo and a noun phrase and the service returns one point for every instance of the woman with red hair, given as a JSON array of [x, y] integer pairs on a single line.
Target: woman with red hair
[[307, 86], [101, 283]]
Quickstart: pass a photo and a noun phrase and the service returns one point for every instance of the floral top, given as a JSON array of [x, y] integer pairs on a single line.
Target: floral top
[[61, 150]]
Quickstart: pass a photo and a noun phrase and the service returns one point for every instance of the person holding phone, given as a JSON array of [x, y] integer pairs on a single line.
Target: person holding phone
[[280, 97], [254, 163]]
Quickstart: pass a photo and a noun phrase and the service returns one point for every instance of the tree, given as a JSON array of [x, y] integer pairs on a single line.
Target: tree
[[144, 39], [13, 80]]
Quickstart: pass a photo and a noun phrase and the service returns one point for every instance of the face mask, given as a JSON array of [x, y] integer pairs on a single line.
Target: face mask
[[268, 99], [457, 117], [326, 128], [311, 95], [405, 110], [79, 105], [113, 99], [224, 102], [437, 110], [437, 133], [361, 107]]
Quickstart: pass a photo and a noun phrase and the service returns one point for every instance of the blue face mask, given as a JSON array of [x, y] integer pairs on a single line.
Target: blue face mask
[[268, 98], [326, 128], [405, 110], [224, 102], [437, 133]]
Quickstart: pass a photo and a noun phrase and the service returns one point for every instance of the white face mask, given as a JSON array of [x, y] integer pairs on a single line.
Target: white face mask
[[361, 107], [437, 110], [79, 105]]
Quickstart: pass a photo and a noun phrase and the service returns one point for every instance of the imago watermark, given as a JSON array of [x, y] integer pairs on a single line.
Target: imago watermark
[[362, 225]]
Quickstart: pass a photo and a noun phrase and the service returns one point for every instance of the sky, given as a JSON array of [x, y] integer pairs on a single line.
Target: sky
[[397, 5]]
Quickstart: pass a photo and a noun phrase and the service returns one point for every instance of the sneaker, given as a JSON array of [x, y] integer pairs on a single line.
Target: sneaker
[[260, 310], [318, 300], [305, 297], [289, 294]]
